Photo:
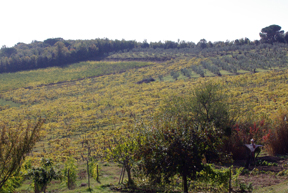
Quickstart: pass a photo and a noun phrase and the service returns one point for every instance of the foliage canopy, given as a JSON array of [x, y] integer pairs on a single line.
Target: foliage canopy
[[271, 34], [15, 143], [182, 133], [43, 175]]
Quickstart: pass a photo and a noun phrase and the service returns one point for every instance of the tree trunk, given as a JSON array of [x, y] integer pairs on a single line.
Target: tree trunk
[[128, 169], [130, 181], [43, 189], [121, 175], [184, 181], [36, 189]]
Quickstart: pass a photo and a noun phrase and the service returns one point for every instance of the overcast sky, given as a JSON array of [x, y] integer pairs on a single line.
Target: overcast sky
[[155, 20]]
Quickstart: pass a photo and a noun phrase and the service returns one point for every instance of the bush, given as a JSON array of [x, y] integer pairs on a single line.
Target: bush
[[217, 180], [186, 72], [43, 175], [242, 133], [175, 75], [277, 138], [70, 173]]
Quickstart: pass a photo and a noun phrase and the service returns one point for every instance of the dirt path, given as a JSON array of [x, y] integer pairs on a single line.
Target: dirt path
[[264, 175]]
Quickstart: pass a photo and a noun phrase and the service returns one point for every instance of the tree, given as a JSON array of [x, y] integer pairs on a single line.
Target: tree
[[43, 175], [145, 44], [61, 51], [271, 34], [174, 146], [52, 41], [122, 151], [203, 106], [93, 50], [208, 106], [185, 129], [174, 74], [15, 143], [8, 51], [286, 37], [202, 43]]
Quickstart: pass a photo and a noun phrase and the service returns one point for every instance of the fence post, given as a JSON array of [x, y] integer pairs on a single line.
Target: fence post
[[230, 176]]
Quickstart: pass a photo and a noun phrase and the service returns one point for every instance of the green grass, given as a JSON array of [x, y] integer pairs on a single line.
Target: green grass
[[9, 103], [168, 78], [194, 75], [261, 70], [208, 73], [242, 71], [57, 74], [224, 72], [278, 188]]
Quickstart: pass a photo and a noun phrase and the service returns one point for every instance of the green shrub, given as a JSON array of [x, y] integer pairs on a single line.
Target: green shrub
[[218, 180], [70, 173]]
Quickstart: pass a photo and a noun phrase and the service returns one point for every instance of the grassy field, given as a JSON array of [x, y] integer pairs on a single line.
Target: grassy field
[[9, 103], [278, 188], [58, 74]]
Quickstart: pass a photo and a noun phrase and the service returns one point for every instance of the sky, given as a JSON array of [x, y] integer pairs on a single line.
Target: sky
[[153, 20]]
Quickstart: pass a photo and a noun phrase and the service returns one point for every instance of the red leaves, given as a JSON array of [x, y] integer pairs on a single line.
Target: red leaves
[[246, 131], [262, 122], [266, 137], [254, 130]]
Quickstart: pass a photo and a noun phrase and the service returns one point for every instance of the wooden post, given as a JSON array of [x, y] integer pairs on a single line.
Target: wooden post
[[97, 174], [88, 174], [69, 179], [230, 176]]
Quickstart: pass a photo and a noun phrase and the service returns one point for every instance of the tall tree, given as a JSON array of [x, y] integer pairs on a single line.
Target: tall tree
[[182, 133], [286, 37], [202, 43], [271, 34], [173, 146], [8, 51]]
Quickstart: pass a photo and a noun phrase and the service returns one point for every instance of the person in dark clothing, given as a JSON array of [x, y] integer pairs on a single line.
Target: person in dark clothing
[[251, 153]]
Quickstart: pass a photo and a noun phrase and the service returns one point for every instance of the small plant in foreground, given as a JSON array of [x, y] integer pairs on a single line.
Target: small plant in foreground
[[265, 163], [43, 175], [70, 173], [246, 187]]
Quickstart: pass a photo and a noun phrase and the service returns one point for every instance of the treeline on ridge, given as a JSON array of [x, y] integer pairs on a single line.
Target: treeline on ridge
[[60, 52]]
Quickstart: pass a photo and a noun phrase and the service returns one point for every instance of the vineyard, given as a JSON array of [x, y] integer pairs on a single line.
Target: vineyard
[[91, 102]]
